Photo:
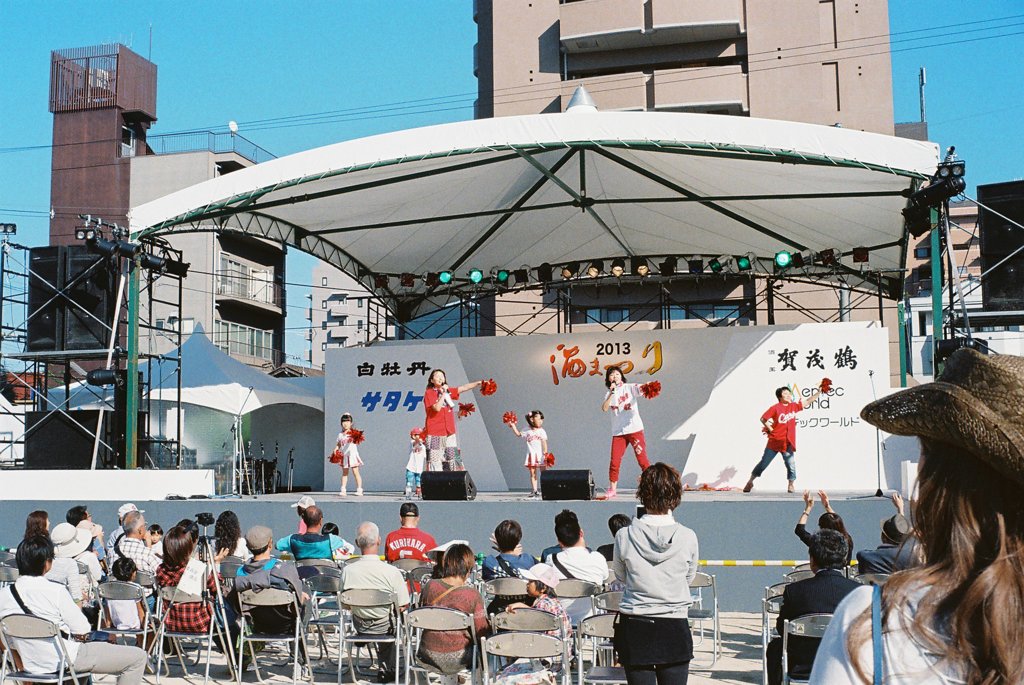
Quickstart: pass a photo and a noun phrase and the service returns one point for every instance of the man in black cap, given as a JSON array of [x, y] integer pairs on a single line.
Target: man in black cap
[[408, 542], [893, 554]]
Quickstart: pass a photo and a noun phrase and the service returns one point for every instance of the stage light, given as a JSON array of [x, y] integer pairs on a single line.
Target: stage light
[[783, 259], [618, 267], [743, 263], [126, 249], [544, 273], [476, 275], [104, 248], [798, 260], [500, 275], [105, 377], [570, 270], [176, 268], [152, 262], [380, 281], [11, 229], [595, 269], [444, 277], [408, 280], [716, 266], [638, 266], [85, 233], [947, 182], [860, 255], [827, 257], [432, 279], [695, 266], [668, 266], [522, 275]]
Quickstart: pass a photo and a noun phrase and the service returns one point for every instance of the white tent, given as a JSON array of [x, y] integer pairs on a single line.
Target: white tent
[[573, 186]]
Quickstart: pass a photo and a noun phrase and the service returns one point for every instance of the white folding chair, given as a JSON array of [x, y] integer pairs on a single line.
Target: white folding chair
[[520, 645], [597, 632], [810, 626], [270, 598], [8, 574], [574, 590], [326, 563], [607, 602], [802, 567], [441, 619], [771, 603], [796, 576], [356, 599], [527, 621], [22, 628], [706, 611], [326, 612], [167, 598], [116, 590]]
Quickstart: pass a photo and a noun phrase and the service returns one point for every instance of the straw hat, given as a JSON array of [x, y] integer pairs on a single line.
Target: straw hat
[[69, 541], [976, 405]]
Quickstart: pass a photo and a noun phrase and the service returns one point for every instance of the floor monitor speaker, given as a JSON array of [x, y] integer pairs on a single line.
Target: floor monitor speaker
[[559, 484], [448, 485]]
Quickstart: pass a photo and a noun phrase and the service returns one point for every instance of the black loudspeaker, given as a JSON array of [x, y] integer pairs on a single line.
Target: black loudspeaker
[[559, 484], [1003, 289], [45, 323], [87, 315], [53, 441], [448, 485]]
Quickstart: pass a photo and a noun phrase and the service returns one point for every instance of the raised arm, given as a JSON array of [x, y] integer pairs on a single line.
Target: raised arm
[[608, 399], [808, 505], [469, 386], [824, 500]]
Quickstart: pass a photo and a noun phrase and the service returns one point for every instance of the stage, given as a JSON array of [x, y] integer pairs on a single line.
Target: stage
[[729, 525]]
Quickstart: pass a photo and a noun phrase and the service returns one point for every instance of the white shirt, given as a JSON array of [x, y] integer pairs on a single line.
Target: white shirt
[[535, 439], [90, 559], [624, 410], [124, 614], [49, 600], [65, 572], [904, 660], [582, 565], [417, 451]]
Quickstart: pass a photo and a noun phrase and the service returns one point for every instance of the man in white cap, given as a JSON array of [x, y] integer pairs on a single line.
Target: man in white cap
[[300, 507], [116, 533]]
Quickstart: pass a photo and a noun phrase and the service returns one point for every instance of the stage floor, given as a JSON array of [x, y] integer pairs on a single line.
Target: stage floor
[[624, 496]]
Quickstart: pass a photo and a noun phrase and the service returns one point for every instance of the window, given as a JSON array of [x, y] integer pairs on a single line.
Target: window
[[323, 280], [323, 304], [323, 325], [241, 340], [359, 303], [359, 325], [323, 347], [922, 252], [606, 315]]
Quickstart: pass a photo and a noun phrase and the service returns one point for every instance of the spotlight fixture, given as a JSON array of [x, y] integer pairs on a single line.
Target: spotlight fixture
[[716, 266], [860, 255], [444, 277], [595, 269], [570, 270], [105, 377], [432, 279], [522, 275], [783, 260], [407, 280], [476, 275], [827, 257], [743, 263], [638, 266], [176, 268], [947, 182], [618, 267], [500, 275], [380, 280], [797, 260], [155, 262], [668, 266], [11, 229], [104, 248], [86, 233], [544, 273], [695, 266]]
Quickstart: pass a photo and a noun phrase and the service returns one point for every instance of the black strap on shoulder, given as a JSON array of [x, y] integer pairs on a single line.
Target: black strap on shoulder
[[509, 570], [561, 567], [17, 598], [117, 544]]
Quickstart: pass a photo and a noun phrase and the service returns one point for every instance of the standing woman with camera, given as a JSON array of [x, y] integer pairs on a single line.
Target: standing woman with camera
[[654, 555], [439, 401]]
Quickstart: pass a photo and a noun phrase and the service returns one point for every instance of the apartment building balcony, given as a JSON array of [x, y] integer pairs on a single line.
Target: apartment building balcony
[[611, 92], [206, 141], [600, 25], [722, 90], [263, 296]]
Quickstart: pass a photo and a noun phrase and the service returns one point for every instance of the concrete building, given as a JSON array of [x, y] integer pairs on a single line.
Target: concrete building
[[103, 100], [802, 60], [341, 313]]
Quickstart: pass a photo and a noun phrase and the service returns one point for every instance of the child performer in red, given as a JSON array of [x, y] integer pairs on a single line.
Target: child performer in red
[[779, 424], [627, 427], [536, 448], [350, 460], [439, 401]]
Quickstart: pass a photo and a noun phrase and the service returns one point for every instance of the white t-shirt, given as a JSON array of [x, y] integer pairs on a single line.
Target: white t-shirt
[[349, 450], [65, 572], [904, 660], [417, 453], [624, 410], [535, 439], [124, 614], [582, 564], [49, 600]]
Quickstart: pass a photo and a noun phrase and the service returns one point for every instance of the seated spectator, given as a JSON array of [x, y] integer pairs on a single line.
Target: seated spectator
[[80, 517], [510, 559], [615, 523], [369, 572], [63, 571], [126, 614], [51, 601], [830, 520], [575, 561], [956, 617], [313, 544], [896, 552], [228, 532], [116, 533], [185, 617], [156, 536], [450, 651], [69, 542], [541, 588], [134, 543], [300, 508], [818, 595], [408, 541], [263, 571]]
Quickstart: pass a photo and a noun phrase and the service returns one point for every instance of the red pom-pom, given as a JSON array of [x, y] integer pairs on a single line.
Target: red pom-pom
[[356, 436], [335, 457], [510, 418], [825, 385], [549, 460], [465, 409], [651, 390], [488, 387]]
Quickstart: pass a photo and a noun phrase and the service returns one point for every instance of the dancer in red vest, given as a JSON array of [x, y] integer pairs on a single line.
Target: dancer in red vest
[[779, 424], [439, 400]]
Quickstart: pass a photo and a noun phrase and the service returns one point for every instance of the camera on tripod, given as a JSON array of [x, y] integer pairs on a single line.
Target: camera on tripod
[[204, 519]]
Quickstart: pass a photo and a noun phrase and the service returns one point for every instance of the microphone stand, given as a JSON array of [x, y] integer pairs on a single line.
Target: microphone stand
[[878, 440]]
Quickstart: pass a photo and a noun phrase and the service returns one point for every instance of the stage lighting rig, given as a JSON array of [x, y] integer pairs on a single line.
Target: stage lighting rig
[[106, 377], [380, 281], [545, 273], [716, 266], [595, 269], [638, 266], [444, 277], [861, 255], [500, 276], [570, 270], [475, 276], [408, 280], [668, 266], [618, 267], [783, 260], [947, 182], [8, 229], [522, 275], [743, 263]]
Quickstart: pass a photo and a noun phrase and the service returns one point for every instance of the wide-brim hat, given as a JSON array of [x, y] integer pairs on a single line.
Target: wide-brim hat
[[69, 541], [542, 572], [975, 405]]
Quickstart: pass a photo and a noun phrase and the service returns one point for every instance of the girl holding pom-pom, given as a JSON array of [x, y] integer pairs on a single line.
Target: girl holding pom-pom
[[536, 447], [627, 427], [348, 439], [417, 458]]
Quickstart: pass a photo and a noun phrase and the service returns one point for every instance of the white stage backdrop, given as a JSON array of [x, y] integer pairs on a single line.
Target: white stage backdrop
[[716, 383]]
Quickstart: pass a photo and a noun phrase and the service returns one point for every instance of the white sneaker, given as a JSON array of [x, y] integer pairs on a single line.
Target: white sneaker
[[359, 492], [344, 492]]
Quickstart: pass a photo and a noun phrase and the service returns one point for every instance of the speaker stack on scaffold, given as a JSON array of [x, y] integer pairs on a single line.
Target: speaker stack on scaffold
[[448, 485], [1003, 288], [559, 484], [68, 300]]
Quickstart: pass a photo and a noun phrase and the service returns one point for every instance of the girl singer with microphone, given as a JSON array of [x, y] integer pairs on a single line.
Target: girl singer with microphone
[[439, 401]]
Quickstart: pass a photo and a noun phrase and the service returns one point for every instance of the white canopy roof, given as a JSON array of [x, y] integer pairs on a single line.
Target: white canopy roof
[[574, 186]]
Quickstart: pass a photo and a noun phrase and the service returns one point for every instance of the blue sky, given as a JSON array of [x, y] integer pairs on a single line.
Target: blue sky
[[252, 61]]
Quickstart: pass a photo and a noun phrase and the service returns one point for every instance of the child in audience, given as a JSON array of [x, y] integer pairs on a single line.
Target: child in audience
[[126, 614], [414, 467], [543, 581], [350, 460], [536, 447]]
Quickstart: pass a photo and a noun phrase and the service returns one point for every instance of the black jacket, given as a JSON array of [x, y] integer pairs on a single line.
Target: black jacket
[[886, 558], [818, 595]]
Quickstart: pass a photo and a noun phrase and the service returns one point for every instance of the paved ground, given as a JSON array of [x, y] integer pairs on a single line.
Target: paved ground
[[740, 661]]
